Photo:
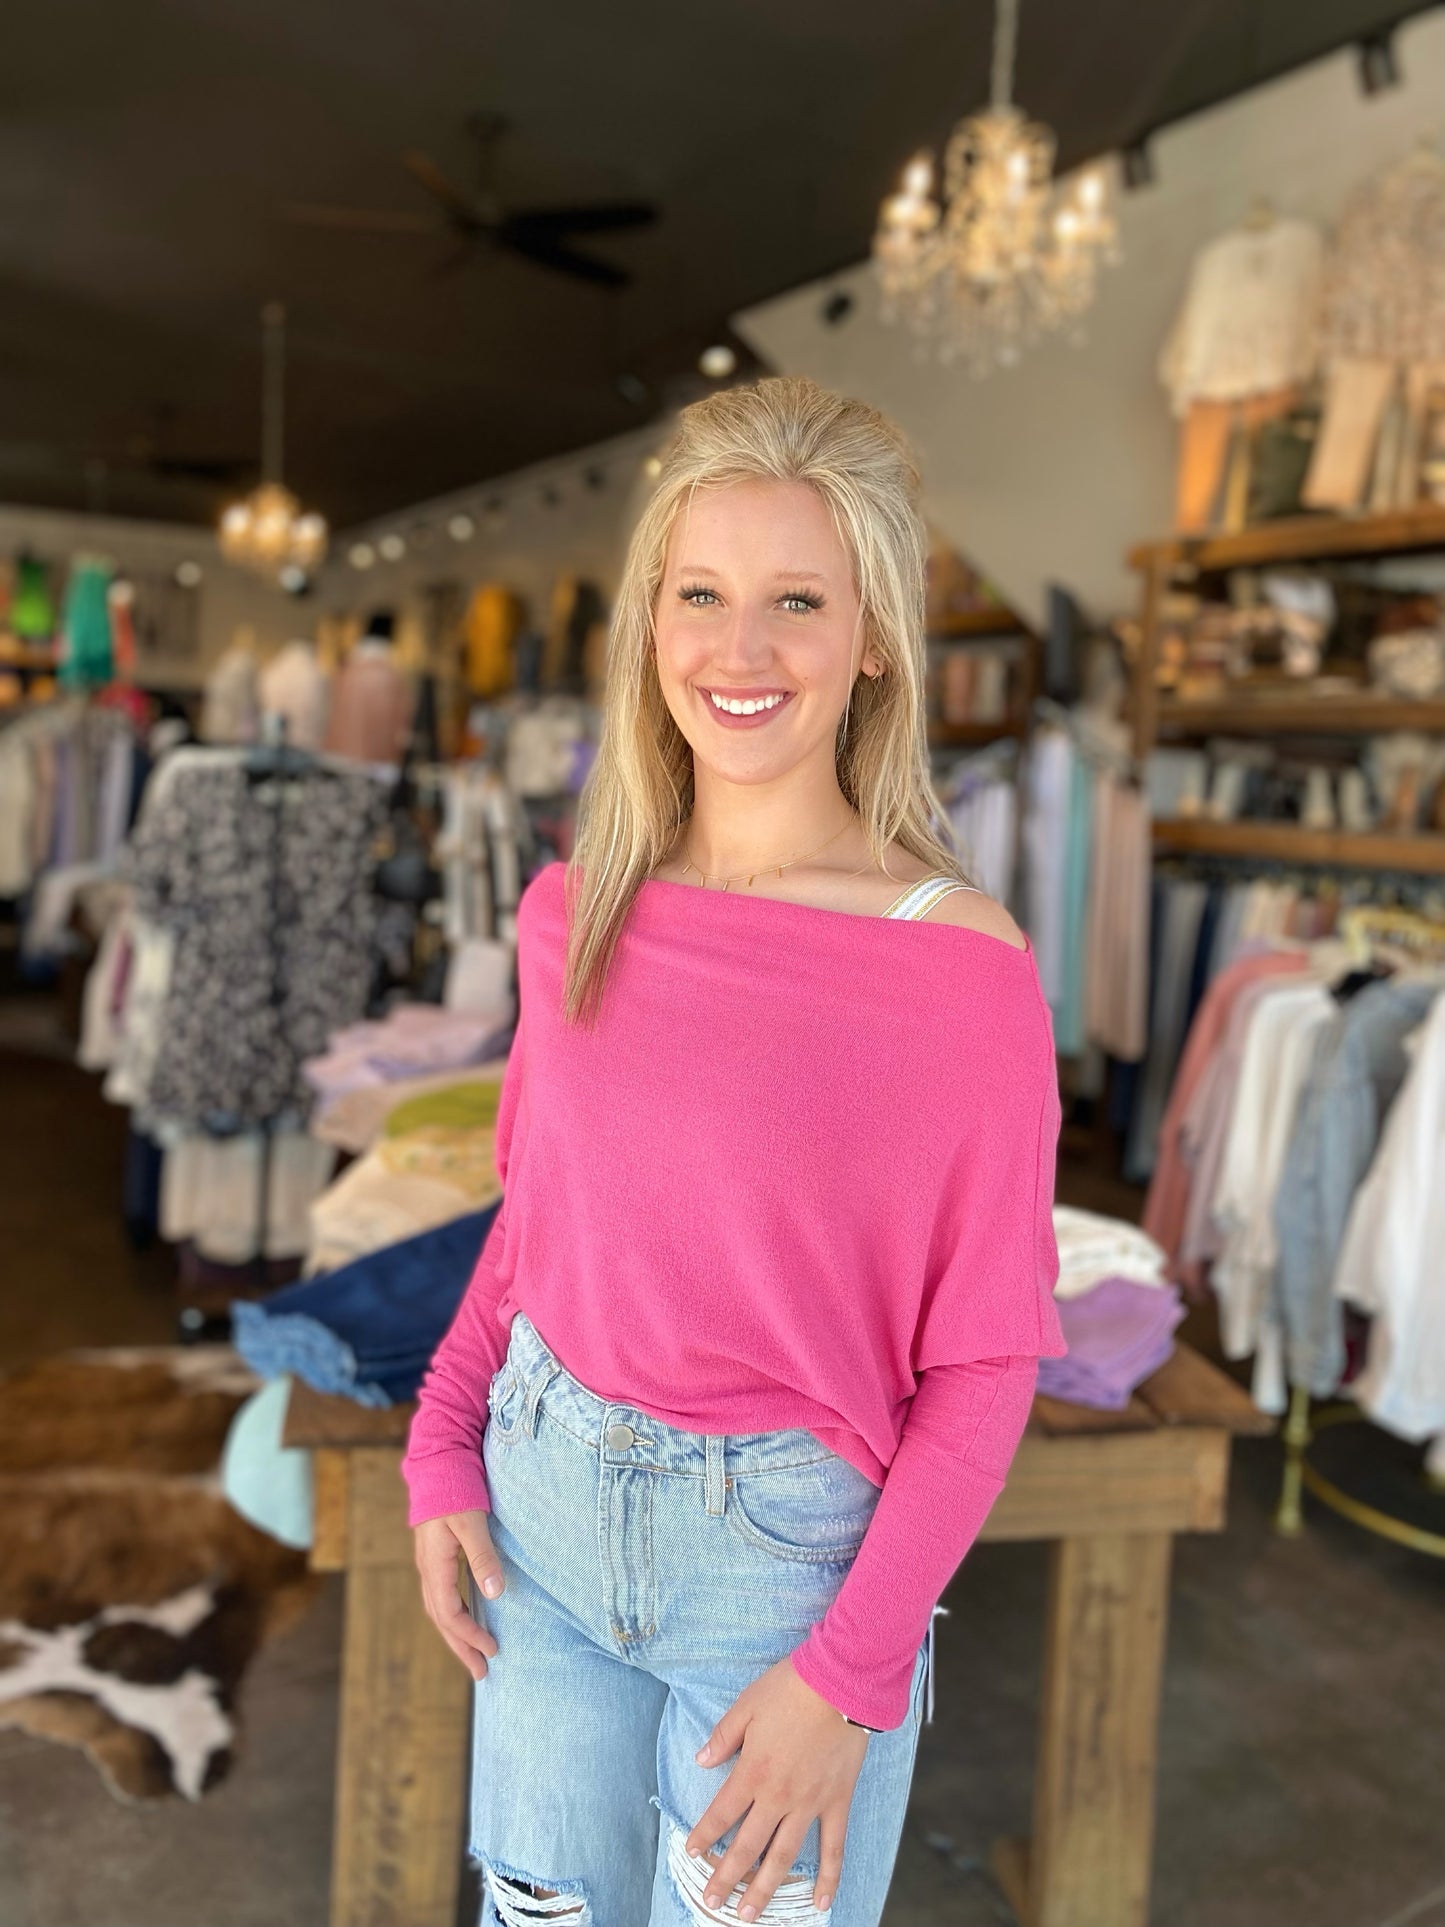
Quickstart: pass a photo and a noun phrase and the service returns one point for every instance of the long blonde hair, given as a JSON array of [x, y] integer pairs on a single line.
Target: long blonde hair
[[639, 789]]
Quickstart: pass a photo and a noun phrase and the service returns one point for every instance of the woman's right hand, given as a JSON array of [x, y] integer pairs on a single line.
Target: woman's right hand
[[437, 1543]]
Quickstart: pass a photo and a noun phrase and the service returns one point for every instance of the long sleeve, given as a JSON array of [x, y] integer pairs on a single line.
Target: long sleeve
[[963, 1427], [442, 1465]]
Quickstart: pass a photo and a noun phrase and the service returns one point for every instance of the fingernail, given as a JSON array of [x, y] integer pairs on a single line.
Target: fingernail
[[823, 1902], [492, 1585], [747, 1912], [701, 1755], [714, 1900]]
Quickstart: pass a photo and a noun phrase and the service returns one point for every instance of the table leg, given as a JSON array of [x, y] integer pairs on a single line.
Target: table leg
[[401, 1775], [1090, 1858]]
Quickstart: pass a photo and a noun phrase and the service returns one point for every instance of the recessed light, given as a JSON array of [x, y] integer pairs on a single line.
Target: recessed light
[[717, 362], [391, 548], [362, 555], [461, 528], [188, 575]]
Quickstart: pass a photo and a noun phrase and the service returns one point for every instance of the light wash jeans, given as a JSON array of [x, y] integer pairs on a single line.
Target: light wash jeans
[[651, 1575]]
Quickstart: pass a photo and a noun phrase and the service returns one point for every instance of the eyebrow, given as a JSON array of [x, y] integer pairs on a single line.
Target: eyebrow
[[779, 575]]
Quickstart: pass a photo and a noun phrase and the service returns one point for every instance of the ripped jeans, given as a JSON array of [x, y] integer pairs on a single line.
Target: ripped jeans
[[651, 1575]]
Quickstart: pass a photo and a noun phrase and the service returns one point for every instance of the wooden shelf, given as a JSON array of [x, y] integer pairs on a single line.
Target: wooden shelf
[[1293, 843], [1296, 715], [1301, 538], [978, 622]]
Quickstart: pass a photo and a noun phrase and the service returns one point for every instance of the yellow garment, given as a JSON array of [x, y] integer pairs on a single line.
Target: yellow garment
[[490, 629]]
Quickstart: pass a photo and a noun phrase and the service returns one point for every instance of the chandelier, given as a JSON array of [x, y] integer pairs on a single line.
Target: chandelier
[[268, 531], [1006, 258]]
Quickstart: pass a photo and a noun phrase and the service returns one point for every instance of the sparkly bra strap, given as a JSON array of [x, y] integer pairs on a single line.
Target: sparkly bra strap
[[919, 898]]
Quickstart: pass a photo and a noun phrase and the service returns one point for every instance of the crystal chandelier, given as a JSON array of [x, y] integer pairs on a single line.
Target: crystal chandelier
[[1006, 259], [268, 531]]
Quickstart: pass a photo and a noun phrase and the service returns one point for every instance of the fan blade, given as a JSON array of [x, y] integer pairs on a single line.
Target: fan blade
[[364, 220], [548, 254], [584, 220], [425, 172]]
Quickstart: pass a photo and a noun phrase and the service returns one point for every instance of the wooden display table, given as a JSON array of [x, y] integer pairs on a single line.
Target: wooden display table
[[1108, 1490]]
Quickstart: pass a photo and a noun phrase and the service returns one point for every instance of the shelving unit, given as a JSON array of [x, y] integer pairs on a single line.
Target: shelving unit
[[1294, 843], [1178, 560], [988, 625]]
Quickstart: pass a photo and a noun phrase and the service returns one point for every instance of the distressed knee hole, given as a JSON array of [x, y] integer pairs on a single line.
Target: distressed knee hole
[[792, 1900], [523, 1902]]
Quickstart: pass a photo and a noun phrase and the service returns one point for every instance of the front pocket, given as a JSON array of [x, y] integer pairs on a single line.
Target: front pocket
[[816, 1514], [506, 1402]]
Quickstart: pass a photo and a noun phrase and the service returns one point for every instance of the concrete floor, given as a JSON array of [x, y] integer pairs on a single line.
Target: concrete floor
[[1303, 1728]]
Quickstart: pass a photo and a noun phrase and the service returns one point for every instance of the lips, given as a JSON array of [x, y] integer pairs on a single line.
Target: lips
[[750, 719]]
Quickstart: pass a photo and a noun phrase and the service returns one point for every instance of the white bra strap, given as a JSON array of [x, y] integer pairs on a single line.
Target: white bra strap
[[919, 898]]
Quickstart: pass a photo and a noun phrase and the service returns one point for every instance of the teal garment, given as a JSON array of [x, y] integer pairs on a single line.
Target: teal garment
[[1068, 1013], [86, 657], [267, 1482]]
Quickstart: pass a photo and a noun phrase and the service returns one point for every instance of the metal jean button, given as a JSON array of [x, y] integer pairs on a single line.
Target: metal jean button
[[619, 1437]]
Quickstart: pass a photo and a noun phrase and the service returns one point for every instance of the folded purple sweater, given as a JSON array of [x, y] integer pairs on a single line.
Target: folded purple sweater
[[811, 1156]]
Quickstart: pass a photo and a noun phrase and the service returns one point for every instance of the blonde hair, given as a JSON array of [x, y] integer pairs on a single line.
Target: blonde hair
[[639, 789]]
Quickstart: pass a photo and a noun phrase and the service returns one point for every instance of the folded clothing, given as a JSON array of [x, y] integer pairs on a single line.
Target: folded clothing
[[409, 1042], [1092, 1247], [368, 1330], [1118, 1333]]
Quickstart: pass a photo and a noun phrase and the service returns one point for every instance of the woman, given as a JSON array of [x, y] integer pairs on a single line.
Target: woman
[[754, 1335]]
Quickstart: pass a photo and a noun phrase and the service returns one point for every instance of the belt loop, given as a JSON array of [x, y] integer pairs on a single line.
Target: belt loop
[[546, 1372], [713, 1487], [928, 1663]]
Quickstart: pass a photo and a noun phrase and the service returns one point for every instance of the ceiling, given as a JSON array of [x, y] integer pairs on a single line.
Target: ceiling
[[146, 153]]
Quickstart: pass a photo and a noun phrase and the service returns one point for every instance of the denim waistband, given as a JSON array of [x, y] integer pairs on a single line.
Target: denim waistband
[[625, 1435]]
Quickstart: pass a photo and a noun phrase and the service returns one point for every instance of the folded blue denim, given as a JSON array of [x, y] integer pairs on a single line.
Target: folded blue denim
[[651, 1575], [367, 1330]]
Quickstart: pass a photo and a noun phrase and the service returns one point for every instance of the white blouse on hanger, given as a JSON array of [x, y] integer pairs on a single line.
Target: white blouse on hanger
[[1251, 316]]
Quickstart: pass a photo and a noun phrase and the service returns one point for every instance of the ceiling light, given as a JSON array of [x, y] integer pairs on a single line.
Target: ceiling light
[[1138, 164], [188, 575], [391, 548], [631, 389], [717, 362], [268, 531], [361, 555], [461, 528], [837, 307], [1379, 69], [495, 513], [1004, 254], [293, 578], [652, 467]]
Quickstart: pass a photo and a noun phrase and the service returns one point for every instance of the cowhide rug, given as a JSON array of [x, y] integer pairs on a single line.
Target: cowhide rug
[[132, 1596]]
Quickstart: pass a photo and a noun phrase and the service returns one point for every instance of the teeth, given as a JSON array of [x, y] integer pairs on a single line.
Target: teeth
[[748, 708]]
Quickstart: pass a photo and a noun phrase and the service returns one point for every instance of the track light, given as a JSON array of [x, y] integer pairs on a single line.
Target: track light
[[837, 308], [1379, 69], [1138, 165]]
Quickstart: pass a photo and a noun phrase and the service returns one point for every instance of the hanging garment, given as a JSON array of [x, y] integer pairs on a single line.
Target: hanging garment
[[267, 889], [1249, 323], [371, 706], [296, 688], [1282, 1034], [86, 658], [32, 607], [1117, 924], [1390, 1261], [489, 630], [1179, 909], [231, 705], [1359, 1066]]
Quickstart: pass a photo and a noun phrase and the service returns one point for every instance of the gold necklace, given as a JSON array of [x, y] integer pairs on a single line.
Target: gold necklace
[[779, 867]]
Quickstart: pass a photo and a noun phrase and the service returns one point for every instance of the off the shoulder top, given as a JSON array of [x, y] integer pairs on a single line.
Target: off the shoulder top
[[800, 1174]]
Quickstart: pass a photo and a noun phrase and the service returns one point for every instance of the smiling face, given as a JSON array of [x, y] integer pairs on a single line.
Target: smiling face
[[757, 630]]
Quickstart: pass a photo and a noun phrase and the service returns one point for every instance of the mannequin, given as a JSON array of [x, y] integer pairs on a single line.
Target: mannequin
[[231, 709], [295, 687]]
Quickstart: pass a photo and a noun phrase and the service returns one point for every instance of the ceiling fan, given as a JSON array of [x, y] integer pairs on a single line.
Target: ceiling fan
[[542, 235]]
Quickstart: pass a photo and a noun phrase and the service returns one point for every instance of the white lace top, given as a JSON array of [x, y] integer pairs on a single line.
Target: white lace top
[[1251, 316]]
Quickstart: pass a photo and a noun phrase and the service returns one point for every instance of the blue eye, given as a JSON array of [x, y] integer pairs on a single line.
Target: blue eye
[[691, 595]]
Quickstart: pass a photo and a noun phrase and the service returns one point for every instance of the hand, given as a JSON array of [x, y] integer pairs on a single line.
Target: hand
[[436, 1543], [800, 1761]]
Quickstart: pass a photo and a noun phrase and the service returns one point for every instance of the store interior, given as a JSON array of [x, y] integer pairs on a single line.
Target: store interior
[[338, 364]]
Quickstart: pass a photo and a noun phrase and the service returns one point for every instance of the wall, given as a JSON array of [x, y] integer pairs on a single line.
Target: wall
[[1052, 470]]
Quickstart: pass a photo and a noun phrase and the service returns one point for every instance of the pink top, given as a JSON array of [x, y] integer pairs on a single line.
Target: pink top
[[800, 1174]]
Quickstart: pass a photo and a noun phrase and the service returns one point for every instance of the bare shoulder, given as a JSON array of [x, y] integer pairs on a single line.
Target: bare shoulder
[[971, 910]]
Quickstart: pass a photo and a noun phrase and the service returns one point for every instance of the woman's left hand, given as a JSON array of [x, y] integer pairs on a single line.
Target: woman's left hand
[[799, 1762]]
